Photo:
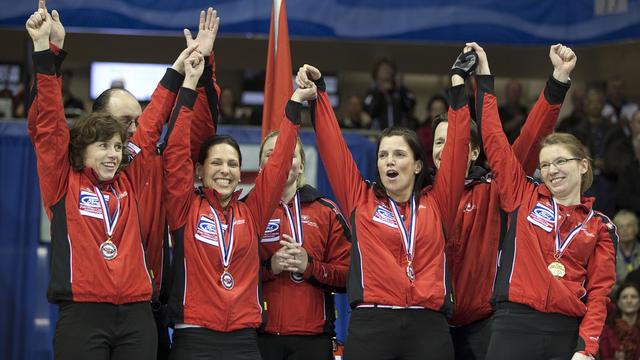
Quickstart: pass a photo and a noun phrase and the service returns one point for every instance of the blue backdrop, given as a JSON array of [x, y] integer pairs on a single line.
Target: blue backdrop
[[487, 21], [27, 322]]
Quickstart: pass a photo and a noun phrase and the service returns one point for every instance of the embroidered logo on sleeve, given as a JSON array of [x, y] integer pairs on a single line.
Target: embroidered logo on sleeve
[[384, 216], [89, 205], [133, 149], [542, 216], [272, 233], [206, 231]]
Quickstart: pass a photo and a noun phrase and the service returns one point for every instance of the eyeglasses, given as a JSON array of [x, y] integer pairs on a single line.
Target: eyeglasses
[[559, 162]]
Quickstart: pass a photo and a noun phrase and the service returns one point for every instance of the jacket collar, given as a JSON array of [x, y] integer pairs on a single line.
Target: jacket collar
[[586, 203], [93, 177], [212, 197]]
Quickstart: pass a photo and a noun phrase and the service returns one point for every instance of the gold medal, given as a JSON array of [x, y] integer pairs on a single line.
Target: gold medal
[[557, 269]]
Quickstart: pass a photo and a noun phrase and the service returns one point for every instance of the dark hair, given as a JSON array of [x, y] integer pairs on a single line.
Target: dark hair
[[102, 101], [383, 61], [215, 140], [437, 97], [474, 135], [421, 179], [95, 127], [577, 149], [613, 315]]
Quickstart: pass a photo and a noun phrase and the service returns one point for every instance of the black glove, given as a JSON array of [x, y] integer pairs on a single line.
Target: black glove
[[465, 64]]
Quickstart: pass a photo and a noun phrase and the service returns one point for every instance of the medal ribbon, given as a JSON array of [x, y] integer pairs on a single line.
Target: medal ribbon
[[561, 245], [295, 222], [109, 221], [226, 246], [408, 237]]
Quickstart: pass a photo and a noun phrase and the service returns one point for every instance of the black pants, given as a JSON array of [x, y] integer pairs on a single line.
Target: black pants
[[295, 347], [103, 331], [164, 343], [470, 342], [520, 332], [201, 344], [407, 334]]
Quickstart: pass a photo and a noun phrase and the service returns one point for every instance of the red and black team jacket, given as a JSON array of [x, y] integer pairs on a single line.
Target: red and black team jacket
[[150, 202], [378, 259], [197, 295], [78, 270], [305, 306], [529, 244], [473, 249]]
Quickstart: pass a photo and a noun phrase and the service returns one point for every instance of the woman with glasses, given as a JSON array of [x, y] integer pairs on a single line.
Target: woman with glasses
[[557, 260]]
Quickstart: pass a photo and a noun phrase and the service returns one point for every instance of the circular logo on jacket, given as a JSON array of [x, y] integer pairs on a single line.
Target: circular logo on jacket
[[296, 277], [109, 250], [227, 280]]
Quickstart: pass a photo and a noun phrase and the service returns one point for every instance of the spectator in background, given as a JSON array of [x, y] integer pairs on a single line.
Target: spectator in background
[[627, 191], [437, 105], [628, 258], [512, 113], [617, 109], [73, 106], [230, 113], [388, 103], [578, 95], [6, 104], [356, 117], [620, 338]]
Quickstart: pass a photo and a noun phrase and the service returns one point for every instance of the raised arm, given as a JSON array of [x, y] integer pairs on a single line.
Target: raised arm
[[344, 176], [543, 117], [206, 113], [601, 275], [506, 168], [270, 182], [48, 128], [449, 181], [178, 168]]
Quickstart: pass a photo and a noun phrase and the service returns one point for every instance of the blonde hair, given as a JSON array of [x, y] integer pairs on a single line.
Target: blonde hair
[[577, 149], [300, 180]]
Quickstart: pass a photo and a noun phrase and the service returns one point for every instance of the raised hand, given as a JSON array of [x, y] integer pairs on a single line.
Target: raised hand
[[207, 31], [57, 29], [193, 67], [307, 74], [483, 62], [563, 60], [305, 94], [178, 65], [39, 28]]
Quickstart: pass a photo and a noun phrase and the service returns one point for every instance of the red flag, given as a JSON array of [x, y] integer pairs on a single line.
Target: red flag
[[278, 85]]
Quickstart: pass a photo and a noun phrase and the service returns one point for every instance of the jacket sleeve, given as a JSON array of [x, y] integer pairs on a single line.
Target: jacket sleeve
[[59, 56], [206, 113], [540, 123], [178, 168], [449, 181], [48, 130], [330, 272], [601, 276], [265, 196], [507, 170], [143, 144], [344, 177]]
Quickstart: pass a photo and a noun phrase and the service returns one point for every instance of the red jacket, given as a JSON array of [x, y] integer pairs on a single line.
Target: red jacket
[[150, 202], [378, 272], [78, 270], [197, 295], [306, 307], [473, 250], [528, 247]]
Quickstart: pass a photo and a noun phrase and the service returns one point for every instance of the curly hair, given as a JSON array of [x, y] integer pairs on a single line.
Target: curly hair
[[95, 127]]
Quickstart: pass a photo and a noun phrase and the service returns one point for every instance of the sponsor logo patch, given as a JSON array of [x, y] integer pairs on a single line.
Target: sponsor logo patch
[[272, 232], [541, 216], [89, 205], [384, 216], [206, 231]]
